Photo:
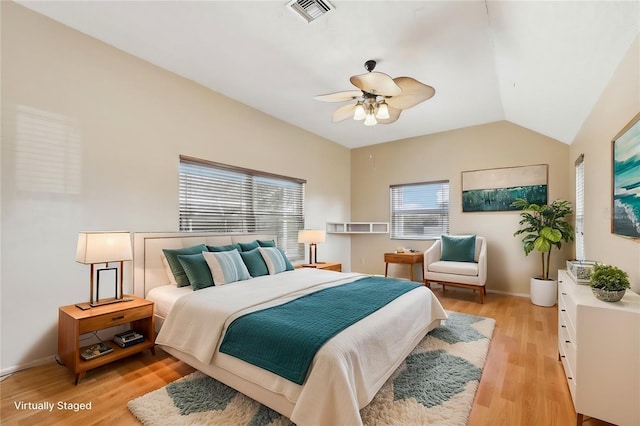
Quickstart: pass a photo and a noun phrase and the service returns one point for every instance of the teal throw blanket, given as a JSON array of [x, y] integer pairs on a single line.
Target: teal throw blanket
[[284, 339]]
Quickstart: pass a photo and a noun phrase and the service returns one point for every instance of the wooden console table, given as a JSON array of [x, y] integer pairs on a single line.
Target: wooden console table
[[406, 259]]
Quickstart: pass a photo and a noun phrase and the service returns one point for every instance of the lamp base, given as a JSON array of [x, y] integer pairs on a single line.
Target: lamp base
[[89, 305]]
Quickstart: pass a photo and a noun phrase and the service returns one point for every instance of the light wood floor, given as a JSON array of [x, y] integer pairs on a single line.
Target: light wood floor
[[522, 383]]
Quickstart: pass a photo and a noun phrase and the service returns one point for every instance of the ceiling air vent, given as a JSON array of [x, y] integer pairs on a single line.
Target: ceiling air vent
[[310, 10]]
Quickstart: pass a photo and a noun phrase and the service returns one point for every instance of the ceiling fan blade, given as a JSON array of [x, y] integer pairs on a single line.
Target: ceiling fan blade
[[344, 112], [339, 96], [413, 92], [394, 114], [376, 83]]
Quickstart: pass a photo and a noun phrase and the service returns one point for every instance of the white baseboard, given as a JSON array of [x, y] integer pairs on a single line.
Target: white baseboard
[[508, 293], [5, 372]]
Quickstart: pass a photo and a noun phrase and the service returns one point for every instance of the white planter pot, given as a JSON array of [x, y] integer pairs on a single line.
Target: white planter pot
[[543, 292]]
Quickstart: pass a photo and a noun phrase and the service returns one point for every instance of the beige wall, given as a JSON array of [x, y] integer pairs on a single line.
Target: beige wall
[[617, 105], [111, 128], [444, 156]]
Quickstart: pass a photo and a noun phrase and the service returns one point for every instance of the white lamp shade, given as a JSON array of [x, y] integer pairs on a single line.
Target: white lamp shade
[[311, 236], [103, 247]]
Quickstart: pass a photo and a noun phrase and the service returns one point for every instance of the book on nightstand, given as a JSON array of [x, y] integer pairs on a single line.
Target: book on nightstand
[[95, 351], [128, 338]]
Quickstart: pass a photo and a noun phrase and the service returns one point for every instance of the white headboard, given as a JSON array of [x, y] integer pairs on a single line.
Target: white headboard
[[148, 270]]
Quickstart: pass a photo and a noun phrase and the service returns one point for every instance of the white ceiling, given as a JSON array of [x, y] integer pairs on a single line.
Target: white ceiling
[[541, 64]]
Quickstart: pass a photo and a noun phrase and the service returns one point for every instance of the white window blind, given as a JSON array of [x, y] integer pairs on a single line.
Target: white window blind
[[579, 210], [222, 198], [419, 211]]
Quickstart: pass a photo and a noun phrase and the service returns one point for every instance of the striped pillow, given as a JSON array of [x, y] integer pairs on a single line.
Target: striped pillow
[[274, 259], [226, 267]]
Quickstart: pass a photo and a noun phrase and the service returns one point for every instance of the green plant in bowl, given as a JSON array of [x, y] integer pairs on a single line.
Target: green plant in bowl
[[609, 283]]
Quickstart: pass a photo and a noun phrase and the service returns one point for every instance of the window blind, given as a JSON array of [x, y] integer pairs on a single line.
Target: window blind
[[222, 198], [419, 211], [579, 210]]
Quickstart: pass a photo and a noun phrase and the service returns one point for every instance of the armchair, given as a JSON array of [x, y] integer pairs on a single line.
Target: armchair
[[471, 275]]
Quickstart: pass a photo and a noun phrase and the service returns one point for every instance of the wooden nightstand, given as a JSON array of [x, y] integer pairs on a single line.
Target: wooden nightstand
[[73, 321], [330, 266]]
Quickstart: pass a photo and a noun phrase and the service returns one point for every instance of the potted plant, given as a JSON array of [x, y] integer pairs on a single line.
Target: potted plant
[[608, 283], [545, 227]]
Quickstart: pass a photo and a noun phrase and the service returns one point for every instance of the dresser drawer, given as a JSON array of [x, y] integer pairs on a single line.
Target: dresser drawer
[[569, 348], [112, 319], [571, 380], [567, 306]]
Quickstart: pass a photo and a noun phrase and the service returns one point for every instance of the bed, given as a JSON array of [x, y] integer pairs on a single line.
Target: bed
[[346, 372]]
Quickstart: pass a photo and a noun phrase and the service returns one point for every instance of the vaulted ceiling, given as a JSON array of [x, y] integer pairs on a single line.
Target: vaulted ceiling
[[539, 64]]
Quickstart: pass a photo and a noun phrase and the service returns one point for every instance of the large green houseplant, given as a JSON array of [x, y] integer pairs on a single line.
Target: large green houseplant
[[545, 227]]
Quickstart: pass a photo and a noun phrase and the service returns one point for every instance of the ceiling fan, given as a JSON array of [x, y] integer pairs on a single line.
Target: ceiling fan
[[380, 99]]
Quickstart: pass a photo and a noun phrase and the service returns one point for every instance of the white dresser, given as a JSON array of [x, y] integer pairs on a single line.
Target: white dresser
[[599, 346]]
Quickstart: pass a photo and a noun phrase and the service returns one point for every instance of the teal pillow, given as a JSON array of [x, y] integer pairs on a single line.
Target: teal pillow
[[249, 246], [266, 243], [224, 248], [458, 248], [172, 259], [254, 262], [197, 270], [226, 267]]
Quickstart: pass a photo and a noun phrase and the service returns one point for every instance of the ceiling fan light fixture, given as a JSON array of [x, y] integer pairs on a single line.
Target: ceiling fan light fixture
[[370, 120], [359, 113], [383, 111]]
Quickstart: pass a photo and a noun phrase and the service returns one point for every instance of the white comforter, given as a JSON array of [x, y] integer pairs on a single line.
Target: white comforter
[[347, 371]]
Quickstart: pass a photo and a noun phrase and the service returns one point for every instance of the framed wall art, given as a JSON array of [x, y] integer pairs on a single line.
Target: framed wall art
[[495, 189], [625, 200]]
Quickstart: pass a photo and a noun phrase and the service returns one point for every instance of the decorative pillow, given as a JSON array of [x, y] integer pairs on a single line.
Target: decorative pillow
[[275, 259], [224, 248], [458, 248], [286, 259], [226, 266], [197, 270], [266, 243], [174, 263], [254, 263], [249, 246], [168, 271]]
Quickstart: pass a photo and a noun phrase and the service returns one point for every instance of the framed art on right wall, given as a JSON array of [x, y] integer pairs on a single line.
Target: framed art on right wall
[[625, 200]]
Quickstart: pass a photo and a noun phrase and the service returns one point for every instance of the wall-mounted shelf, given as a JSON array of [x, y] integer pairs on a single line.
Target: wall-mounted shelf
[[358, 227]]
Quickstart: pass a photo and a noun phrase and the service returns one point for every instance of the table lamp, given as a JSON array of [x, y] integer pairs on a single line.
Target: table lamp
[[103, 247], [312, 237]]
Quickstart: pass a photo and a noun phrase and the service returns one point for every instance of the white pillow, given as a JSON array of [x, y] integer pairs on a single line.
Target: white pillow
[[274, 260], [168, 271], [226, 266]]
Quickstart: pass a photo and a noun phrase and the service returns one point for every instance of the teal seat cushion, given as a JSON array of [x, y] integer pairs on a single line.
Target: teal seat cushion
[[249, 246], [458, 248], [254, 262], [197, 270], [176, 267], [228, 247]]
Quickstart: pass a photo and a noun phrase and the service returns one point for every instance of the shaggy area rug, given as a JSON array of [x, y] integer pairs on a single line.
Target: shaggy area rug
[[434, 386]]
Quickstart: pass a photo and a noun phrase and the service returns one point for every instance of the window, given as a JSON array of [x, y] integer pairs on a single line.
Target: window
[[419, 211], [579, 212], [222, 198]]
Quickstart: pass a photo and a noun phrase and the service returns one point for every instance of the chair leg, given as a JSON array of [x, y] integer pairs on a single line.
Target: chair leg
[[443, 287], [482, 296]]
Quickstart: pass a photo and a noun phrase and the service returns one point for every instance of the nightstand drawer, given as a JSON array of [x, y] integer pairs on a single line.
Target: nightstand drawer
[[112, 319]]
